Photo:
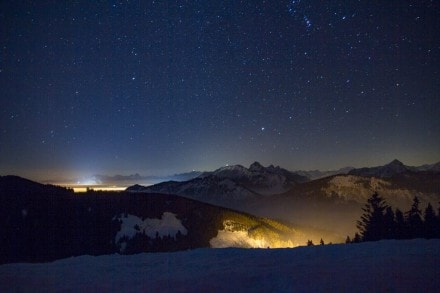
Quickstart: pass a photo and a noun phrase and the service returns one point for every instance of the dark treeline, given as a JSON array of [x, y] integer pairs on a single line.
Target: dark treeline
[[379, 221]]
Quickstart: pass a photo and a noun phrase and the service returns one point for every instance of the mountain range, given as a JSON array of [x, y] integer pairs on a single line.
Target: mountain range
[[230, 183], [117, 179], [124, 180], [101, 179], [392, 169], [254, 207], [332, 203]]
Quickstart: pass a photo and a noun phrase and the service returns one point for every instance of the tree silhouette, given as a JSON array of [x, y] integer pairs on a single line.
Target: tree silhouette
[[430, 224], [310, 243], [380, 222], [321, 242], [400, 228], [414, 220], [389, 224], [371, 225], [347, 240], [357, 238]]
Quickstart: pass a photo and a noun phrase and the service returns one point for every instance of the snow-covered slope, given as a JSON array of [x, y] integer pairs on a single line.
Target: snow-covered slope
[[359, 189], [209, 189], [260, 179], [384, 266]]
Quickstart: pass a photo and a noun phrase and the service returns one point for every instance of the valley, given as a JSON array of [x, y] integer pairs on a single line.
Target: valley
[[234, 206]]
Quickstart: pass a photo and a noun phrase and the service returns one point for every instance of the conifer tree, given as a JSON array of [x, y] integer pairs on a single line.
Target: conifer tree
[[430, 223], [371, 225], [357, 238], [321, 242], [400, 229], [414, 220], [438, 222], [347, 240], [389, 224]]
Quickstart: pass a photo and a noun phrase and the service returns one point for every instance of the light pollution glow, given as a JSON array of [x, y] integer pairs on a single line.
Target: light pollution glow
[[83, 188]]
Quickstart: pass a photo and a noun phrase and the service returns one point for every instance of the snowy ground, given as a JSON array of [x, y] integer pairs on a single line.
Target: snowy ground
[[391, 266]]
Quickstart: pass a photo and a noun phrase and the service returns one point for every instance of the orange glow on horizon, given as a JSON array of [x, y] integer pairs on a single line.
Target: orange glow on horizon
[[83, 188]]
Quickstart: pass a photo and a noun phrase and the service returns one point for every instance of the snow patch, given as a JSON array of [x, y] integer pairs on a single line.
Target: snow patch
[[232, 236], [131, 225], [241, 239]]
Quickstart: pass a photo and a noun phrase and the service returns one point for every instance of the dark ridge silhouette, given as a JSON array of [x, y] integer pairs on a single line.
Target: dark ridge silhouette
[[42, 223], [16, 184]]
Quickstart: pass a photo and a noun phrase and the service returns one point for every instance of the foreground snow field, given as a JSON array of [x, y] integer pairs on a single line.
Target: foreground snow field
[[410, 265]]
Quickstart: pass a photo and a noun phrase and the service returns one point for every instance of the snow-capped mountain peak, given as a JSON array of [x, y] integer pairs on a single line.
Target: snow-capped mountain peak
[[231, 182], [231, 171]]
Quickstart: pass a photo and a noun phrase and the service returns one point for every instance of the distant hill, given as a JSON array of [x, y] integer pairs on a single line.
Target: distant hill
[[430, 167], [209, 189], [126, 180], [317, 174], [392, 169], [42, 223], [16, 184]]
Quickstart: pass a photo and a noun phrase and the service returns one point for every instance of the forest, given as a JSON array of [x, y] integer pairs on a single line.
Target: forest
[[380, 221]]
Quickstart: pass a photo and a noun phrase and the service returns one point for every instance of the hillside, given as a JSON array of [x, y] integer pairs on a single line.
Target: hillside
[[392, 169], [384, 266], [51, 223], [335, 203], [332, 203]]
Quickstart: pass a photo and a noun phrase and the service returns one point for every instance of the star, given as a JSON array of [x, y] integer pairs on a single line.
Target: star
[[191, 80]]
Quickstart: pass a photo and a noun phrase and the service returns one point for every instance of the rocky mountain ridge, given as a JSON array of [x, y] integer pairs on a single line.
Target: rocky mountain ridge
[[230, 183]]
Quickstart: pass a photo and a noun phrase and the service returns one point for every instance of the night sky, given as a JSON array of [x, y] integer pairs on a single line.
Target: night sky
[[161, 87]]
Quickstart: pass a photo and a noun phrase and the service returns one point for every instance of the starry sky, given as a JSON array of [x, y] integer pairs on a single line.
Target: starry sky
[[161, 87]]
